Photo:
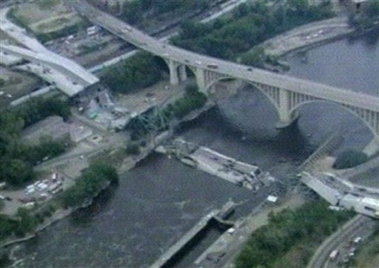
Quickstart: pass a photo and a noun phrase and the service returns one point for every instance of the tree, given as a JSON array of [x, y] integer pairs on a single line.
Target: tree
[[290, 231], [17, 172], [255, 57], [349, 158], [372, 10], [190, 29], [26, 221], [300, 6], [6, 226], [89, 184], [137, 72], [132, 11]]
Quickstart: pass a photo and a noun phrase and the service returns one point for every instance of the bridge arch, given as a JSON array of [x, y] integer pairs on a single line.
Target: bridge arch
[[371, 127], [370, 120], [163, 63], [178, 72], [271, 96]]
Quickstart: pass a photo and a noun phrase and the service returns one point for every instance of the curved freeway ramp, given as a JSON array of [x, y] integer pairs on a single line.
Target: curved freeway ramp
[[35, 52], [358, 226]]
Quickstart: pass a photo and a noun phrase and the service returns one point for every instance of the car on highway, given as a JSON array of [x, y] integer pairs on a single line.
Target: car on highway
[[357, 240], [212, 66], [333, 255], [127, 29]]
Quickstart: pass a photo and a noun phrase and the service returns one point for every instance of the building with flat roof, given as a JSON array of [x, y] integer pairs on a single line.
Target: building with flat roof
[[52, 127]]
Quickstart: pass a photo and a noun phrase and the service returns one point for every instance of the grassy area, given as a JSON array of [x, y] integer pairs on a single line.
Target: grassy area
[[115, 156], [31, 13], [51, 21], [47, 4], [57, 23], [17, 84]]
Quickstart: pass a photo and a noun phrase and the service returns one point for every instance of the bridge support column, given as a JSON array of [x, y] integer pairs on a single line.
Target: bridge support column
[[182, 73], [286, 118], [372, 147], [200, 80], [173, 67]]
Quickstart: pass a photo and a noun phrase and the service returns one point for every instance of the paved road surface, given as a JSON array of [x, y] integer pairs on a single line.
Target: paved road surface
[[359, 226], [146, 42]]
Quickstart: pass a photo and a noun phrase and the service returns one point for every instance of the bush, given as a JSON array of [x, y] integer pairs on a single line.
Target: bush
[[249, 25], [2, 82], [153, 121], [17, 158], [89, 184], [191, 101], [27, 222], [139, 71], [38, 108], [303, 228], [132, 149], [349, 158]]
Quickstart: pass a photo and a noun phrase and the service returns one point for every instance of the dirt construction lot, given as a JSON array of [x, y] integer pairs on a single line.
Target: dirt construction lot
[[16, 84], [44, 16]]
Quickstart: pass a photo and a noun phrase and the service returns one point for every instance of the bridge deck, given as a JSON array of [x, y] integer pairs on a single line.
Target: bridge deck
[[230, 69], [174, 249]]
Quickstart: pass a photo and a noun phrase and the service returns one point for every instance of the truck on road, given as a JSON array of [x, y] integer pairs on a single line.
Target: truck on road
[[333, 255]]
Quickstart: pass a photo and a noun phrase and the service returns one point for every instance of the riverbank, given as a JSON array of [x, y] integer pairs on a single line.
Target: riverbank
[[56, 216], [141, 158], [308, 36], [127, 164]]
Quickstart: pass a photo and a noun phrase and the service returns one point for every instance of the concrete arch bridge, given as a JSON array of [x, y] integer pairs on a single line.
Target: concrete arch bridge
[[286, 93]]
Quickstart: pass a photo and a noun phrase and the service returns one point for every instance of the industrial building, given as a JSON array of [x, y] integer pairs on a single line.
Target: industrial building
[[52, 127]]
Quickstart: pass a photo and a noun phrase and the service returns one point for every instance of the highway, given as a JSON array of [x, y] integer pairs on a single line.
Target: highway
[[37, 53], [360, 225], [174, 249], [230, 69]]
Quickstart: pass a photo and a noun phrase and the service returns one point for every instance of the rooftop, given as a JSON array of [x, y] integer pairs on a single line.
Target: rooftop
[[52, 126]]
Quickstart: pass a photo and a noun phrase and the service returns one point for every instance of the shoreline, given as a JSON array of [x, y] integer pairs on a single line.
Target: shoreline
[[308, 36], [312, 35], [128, 163], [354, 33]]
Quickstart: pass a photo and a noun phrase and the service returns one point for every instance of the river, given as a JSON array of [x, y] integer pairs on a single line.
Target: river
[[131, 224]]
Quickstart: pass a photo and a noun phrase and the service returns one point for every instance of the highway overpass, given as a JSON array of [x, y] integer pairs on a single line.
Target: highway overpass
[[76, 77], [286, 93]]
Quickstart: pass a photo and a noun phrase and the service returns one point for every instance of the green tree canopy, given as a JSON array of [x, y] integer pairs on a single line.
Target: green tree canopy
[[248, 25], [349, 158], [139, 71]]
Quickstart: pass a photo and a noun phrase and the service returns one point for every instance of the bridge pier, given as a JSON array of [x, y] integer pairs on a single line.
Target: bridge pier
[[372, 147], [182, 73], [200, 80], [173, 67], [286, 119]]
